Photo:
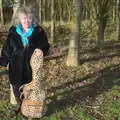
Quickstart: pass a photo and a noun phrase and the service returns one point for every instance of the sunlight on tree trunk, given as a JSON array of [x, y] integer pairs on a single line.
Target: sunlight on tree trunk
[[40, 12], [74, 44], [1, 12]]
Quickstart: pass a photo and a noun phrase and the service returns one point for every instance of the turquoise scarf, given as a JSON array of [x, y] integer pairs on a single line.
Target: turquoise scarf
[[24, 36]]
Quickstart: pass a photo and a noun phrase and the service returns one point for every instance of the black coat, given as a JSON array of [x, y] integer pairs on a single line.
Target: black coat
[[18, 57]]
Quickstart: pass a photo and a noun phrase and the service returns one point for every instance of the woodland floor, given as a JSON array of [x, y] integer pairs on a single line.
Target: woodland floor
[[90, 91]]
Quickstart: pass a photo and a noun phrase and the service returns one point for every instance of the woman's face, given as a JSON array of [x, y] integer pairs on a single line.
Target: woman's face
[[25, 20]]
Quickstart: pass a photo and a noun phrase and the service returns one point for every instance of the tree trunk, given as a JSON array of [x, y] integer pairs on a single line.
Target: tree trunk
[[16, 5], [118, 20], [40, 11], [101, 11], [74, 44], [114, 13], [69, 18], [52, 21], [1, 12], [60, 11], [100, 36], [44, 10], [24, 2]]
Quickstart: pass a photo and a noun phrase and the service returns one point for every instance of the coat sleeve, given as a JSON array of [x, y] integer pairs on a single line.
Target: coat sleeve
[[6, 52], [42, 42]]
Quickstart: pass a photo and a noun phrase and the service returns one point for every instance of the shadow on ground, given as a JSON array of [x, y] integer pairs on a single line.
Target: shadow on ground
[[104, 80]]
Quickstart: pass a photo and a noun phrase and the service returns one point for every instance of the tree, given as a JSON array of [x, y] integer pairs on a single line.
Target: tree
[[16, 5], [69, 4], [52, 21], [118, 20], [114, 9], [102, 8], [60, 10], [39, 2], [24, 2], [1, 12], [44, 10], [74, 44]]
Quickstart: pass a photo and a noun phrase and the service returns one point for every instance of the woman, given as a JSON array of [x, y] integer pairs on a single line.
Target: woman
[[25, 35]]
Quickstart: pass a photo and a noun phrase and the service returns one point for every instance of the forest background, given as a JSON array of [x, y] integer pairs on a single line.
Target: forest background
[[81, 74]]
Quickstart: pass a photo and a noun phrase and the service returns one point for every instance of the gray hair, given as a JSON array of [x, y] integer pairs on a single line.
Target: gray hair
[[26, 10]]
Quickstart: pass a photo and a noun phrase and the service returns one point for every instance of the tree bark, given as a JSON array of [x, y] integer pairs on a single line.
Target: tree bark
[[100, 36], [52, 21], [44, 10], [114, 12], [40, 11], [74, 44], [16, 5], [101, 11], [118, 20], [1, 12]]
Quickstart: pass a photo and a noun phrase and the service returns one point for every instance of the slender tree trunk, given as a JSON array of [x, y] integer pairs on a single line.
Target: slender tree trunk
[[74, 44], [16, 5], [69, 18], [114, 13], [69, 9], [118, 20], [60, 11], [1, 12], [24, 2], [101, 11], [52, 21], [40, 11], [39, 2], [100, 36], [44, 10], [91, 20]]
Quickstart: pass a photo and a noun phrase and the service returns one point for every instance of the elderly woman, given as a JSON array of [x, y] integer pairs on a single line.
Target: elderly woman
[[25, 35]]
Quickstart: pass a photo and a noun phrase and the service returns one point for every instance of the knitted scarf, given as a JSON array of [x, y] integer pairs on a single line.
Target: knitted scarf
[[24, 36]]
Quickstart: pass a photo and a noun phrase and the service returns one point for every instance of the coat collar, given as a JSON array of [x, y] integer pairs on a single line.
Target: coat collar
[[37, 30]]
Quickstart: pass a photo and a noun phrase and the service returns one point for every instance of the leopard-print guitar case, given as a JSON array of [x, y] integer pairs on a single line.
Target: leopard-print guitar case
[[34, 105]]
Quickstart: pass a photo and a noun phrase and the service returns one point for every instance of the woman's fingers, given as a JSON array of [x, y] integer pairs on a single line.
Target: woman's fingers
[[38, 52]]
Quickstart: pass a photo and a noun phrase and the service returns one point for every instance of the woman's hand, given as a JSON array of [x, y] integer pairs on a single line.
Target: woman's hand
[[38, 52]]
